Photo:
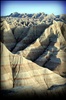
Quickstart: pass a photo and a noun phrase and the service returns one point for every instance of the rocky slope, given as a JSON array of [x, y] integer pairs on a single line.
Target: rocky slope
[[34, 46]]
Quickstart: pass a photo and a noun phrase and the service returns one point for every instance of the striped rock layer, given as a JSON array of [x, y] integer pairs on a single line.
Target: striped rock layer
[[36, 60], [18, 71]]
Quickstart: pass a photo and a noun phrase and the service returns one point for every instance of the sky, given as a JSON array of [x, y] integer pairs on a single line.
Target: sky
[[48, 7]]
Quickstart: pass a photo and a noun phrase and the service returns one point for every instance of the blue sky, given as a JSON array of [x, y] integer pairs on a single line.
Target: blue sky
[[48, 7]]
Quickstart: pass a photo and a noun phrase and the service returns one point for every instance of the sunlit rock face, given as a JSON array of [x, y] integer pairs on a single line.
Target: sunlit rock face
[[7, 35], [33, 52]]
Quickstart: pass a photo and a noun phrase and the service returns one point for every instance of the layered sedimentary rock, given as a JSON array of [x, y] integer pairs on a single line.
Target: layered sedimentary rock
[[32, 34], [33, 54], [20, 32], [7, 35], [49, 48], [55, 38], [6, 70], [22, 72]]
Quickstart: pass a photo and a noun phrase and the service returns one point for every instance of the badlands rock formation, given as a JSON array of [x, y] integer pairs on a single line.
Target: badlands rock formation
[[33, 52], [7, 35]]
